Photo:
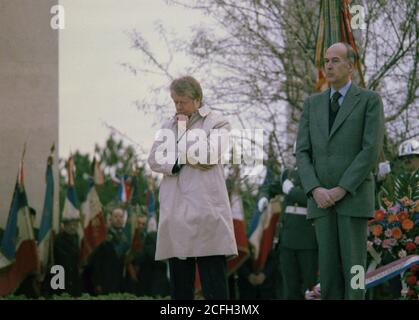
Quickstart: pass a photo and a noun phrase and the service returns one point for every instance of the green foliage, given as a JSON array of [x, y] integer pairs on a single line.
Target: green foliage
[[399, 185], [407, 185]]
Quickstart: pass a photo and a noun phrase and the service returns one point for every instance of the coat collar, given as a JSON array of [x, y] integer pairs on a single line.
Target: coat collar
[[204, 111]]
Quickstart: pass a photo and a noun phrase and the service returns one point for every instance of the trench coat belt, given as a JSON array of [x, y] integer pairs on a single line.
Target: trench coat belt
[[296, 210]]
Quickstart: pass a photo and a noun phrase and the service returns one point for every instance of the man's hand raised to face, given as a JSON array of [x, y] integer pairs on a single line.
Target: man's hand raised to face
[[182, 117]]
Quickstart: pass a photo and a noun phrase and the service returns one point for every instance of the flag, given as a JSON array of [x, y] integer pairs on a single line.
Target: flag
[[124, 198], [70, 210], [94, 224], [262, 238], [334, 26], [131, 197], [130, 227], [240, 234], [124, 188], [45, 234], [263, 224], [18, 251], [151, 210], [98, 177], [71, 204]]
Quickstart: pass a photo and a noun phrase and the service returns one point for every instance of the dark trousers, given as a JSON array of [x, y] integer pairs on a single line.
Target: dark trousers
[[299, 270], [212, 272]]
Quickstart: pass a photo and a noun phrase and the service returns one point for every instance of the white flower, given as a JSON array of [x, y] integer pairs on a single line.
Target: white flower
[[377, 241], [387, 233], [402, 253]]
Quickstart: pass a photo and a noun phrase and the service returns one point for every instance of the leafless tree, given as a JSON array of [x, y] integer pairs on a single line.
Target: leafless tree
[[256, 61]]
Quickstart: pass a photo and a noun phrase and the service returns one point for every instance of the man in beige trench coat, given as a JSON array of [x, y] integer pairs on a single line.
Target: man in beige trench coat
[[195, 222]]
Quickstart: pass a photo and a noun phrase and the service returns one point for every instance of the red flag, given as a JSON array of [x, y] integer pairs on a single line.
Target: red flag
[[240, 234]]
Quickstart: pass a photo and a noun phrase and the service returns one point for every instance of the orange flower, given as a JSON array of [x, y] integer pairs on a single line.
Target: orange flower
[[396, 233], [379, 215], [392, 218], [407, 224], [416, 208], [403, 215], [377, 229]]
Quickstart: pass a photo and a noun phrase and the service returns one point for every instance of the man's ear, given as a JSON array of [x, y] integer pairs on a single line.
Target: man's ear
[[351, 66]]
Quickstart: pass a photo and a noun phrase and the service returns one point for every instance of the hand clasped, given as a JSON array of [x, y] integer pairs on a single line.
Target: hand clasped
[[326, 198]]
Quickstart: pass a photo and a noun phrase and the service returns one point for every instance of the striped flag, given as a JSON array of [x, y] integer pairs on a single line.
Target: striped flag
[[71, 204], [45, 234], [71, 210], [150, 204], [18, 251], [94, 223], [334, 26], [262, 238], [240, 234], [263, 225]]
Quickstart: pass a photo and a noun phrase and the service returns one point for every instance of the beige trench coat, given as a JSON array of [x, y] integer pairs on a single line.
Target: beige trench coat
[[195, 216]]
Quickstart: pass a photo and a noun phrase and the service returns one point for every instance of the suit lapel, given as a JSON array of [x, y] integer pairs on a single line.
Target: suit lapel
[[323, 113], [349, 102]]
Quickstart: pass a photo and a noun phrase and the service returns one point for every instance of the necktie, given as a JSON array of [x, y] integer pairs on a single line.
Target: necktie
[[334, 108], [334, 105]]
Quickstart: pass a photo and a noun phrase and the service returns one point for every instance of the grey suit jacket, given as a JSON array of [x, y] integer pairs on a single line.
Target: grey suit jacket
[[344, 157]]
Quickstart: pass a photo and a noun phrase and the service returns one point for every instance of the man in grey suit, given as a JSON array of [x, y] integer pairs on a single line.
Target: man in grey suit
[[339, 139]]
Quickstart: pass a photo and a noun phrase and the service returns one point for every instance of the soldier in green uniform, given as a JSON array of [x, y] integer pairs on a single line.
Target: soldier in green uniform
[[298, 245]]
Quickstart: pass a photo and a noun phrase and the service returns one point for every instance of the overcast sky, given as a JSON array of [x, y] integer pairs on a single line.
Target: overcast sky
[[94, 88]]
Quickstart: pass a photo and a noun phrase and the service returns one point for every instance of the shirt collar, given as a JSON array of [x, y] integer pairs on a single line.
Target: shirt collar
[[343, 91]]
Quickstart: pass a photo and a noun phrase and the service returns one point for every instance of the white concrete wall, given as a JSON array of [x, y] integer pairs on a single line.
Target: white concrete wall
[[28, 98]]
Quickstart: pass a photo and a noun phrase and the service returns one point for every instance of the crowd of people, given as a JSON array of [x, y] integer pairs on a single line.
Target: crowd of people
[[113, 267]]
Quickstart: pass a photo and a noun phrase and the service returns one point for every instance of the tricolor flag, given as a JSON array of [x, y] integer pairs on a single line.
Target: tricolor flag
[[124, 198], [71, 203], [94, 224], [151, 210], [263, 225], [240, 234], [70, 210], [18, 251], [124, 187], [131, 216], [262, 238], [45, 234], [262, 201]]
